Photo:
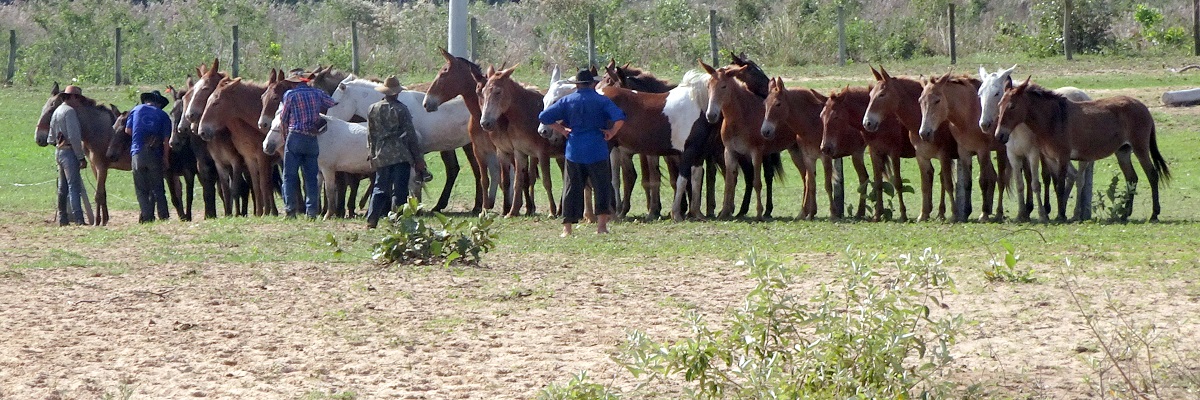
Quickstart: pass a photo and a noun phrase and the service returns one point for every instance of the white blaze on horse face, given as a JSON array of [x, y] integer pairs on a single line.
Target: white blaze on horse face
[[990, 92]]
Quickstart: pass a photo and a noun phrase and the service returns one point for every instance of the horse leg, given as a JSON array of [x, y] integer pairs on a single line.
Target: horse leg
[[1023, 170], [1000, 181], [1152, 177], [926, 167], [175, 189], [651, 181], [450, 159], [756, 160], [963, 187], [860, 168], [473, 163], [772, 160], [519, 174], [731, 171], [484, 162], [531, 177], [878, 166], [835, 210], [548, 184], [898, 186], [710, 184], [1131, 178], [101, 195], [747, 168], [987, 184], [623, 178]]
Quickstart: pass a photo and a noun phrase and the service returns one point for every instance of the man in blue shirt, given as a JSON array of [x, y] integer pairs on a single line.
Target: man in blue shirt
[[150, 128], [581, 117], [301, 122]]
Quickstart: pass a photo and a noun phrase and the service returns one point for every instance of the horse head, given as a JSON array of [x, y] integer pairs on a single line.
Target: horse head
[[933, 107], [277, 85], [777, 108], [121, 142], [216, 108], [202, 89], [496, 96], [42, 132], [558, 89], [183, 127], [720, 88], [459, 77], [272, 143], [990, 92], [1014, 108], [882, 98]]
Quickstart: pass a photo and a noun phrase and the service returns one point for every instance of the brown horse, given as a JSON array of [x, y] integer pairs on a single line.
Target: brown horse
[[325, 78], [234, 106], [232, 179], [797, 113], [96, 122], [509, 114], [640, 82], [955, 100], [1087, 131], [460, 77], [742, 111], [898, 97], [181, 167], [844, 134]]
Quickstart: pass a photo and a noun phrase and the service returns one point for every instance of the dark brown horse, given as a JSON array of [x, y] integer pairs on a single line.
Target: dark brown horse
[[96, 123], [954, 100], [641, 82], [898, 97], [743, 112], [509, 114], [460, 77], [797, 113], [181, 167], [234, 107], [1087, 131], [844, 134]]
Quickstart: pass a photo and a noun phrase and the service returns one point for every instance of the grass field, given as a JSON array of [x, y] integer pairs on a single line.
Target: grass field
[[1151, 265]]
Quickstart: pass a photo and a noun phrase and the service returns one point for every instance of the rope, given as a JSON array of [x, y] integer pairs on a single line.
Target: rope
[[34, 184]]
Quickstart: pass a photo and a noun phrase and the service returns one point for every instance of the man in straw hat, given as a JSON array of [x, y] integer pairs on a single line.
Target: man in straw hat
[[67, 136], [150, 128], [300, 123], [393, 150], [582, 117]]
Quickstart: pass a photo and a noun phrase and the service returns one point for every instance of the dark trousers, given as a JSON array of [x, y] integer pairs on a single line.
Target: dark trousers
[[599, 174], [148, 185], [295, 164], [391, 190]]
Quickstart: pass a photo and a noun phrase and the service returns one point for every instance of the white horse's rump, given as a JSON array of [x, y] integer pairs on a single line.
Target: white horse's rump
[[343, 149]]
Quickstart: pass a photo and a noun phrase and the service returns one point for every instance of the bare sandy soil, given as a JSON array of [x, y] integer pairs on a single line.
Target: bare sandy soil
[[500, 331]]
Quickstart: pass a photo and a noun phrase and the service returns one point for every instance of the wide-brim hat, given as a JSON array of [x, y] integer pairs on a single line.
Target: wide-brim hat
[[391, 86], [584, 76], [297, 75], [155, 97], [72, 89]]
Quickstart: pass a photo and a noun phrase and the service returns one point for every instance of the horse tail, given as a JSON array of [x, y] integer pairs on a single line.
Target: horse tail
[[773, 167], [1160, 163]]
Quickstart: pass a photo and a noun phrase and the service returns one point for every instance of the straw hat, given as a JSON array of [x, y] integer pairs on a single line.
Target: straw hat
[[390, 87], [297, 75]]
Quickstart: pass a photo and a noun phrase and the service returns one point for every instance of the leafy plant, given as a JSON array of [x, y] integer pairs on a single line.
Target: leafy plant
[[411, 238], [1150, 19], [1115, 203], [868, 334], [1007, 270], [578, 388]]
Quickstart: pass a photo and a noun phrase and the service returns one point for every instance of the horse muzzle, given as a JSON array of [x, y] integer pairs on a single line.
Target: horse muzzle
[[42, 137], [207, 132], [430, 104], [712, 117], [870, 125], [264, 123], [270, 148], [1002, 135], [767, 131], [986, 125], [926, 134], [487, 124]]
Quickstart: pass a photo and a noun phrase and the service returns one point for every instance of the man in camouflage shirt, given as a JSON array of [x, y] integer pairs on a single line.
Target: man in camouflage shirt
[[393, 150]]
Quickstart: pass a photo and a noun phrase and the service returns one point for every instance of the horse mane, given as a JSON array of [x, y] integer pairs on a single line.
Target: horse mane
[[475, 70], [1060, 118], [696, 82]]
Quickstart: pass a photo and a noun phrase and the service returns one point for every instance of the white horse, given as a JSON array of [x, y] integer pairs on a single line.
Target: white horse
[[1023, 152], [442, 130], [343, 149]]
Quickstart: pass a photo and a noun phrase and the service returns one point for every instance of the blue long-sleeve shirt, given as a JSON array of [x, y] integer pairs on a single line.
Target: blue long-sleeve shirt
[[151, 127], [586, 112]]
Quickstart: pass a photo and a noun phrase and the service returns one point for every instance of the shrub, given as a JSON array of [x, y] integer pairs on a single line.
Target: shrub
[[410, 238], [1114, 202], [1091, 27], [578, 388], [868, 334]]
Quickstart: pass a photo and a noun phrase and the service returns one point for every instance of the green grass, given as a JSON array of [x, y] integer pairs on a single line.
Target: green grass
[[1130, 251]]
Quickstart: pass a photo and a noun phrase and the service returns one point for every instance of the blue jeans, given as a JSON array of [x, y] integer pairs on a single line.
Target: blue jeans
[[391, 190], [148, 185], [70, 188], [300, 156]]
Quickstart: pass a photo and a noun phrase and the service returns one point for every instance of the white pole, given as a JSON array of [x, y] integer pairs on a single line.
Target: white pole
[[457, 45]]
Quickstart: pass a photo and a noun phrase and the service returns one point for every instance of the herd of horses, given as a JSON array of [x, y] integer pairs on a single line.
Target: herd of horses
[[733, 119]]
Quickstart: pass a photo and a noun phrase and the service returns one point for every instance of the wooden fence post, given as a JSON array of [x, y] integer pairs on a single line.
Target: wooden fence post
[[12, 56], [841, 27], [1196, 27], [953, 41], [354, 47], [591, 40], [235, 51], [117, 72], [1067, 45], [474, 39], [712, 35]]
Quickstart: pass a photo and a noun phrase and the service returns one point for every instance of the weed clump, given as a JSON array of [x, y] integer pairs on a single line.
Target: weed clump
[[411, 238]]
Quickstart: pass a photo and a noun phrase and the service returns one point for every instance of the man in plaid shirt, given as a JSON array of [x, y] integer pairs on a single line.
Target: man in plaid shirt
[[301, 120]]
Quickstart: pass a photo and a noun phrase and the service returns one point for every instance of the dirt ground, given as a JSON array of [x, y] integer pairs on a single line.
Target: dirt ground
[[501, 331]]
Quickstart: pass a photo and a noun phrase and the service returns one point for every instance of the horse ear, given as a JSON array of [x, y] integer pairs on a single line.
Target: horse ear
[[594, 70], [944, 77], [272, 78], [707, 68], [555, 75], [627, 65], [508, 72], [612, 63], [876, 73], [216, 65], [446, 54], [886, 75], [490, 71], [114, 108], [54, 91], [982, 72], [1025, 85], [190, 82]]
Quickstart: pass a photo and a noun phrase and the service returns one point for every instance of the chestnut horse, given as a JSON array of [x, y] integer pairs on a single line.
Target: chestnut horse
[[96, 123], [509, 114], [844, 134], [232, 182], [234, 106], [181, 166], [797, 113], [953, 99], [742, 111], [460, 77], [898, 97], [640, 82], [1088, 130]]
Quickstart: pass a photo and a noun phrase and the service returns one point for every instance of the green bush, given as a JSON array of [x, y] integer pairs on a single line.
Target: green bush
[[871, 333], [578, 388], [1114, 202], [411, 238], [1091, 28]]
